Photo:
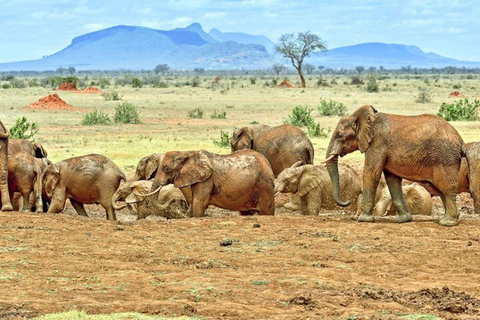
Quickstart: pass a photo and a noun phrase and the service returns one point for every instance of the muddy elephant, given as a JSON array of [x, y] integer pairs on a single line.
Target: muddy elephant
[[6, 204], [241, 181], [147, 167], [84, 180], [312, 184], [170, 202], [22, 145], [418, 148], [282, 145], [24, 176], [417, 199]]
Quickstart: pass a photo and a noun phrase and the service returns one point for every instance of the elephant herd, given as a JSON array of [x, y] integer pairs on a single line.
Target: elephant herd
[[424, 149]]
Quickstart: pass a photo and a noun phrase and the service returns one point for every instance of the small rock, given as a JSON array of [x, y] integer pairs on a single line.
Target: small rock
[[119, 228], [226, 242], [335, 238], [256, 225], [189, 310], [469, 243]]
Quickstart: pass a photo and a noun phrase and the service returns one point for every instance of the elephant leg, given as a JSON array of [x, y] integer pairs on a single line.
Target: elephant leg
[[107, 205], [448, 189], [26, 199], [311, 205], [371, 177], [294, 203], [15, 202], [58, 201], [78, 206], [394, 184], [200, 199], [451, 215]]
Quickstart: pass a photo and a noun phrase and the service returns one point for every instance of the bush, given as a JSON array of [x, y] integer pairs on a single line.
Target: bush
[[137, 83], [96, 117], [372, 85], [21, 127], [315, 130], [424, 95], [461, 110], [161, 84], [103, 82], [356, 80], [18, 83], [126, 113], [331, 108], [321, 82], [196, 113], [111, 96], [301, 117], [224, 140], [196, 82], [219, 115], [6, 85]]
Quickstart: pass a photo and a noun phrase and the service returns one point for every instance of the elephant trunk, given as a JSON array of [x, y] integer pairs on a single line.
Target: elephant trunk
[[332, 168], [116, 206]]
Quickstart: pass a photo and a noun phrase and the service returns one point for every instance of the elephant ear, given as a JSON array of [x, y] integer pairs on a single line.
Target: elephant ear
[[413, 199], [308, 181], [363, 125], [136, 188], [196, 168], [39, 151], [243, 138], [152, 166]]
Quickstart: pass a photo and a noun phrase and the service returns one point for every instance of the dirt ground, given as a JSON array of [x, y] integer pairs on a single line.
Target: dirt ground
[[236, 267]]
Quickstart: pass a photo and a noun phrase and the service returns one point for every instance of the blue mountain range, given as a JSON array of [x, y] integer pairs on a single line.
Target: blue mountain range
[[131, 47]]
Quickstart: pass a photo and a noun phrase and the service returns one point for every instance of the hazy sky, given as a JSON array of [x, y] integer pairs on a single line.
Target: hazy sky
[[30, 29]]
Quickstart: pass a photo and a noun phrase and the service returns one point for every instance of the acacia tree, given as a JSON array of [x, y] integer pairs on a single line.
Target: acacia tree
[[161, 68], [309, 68], [297, 48], [278, 68]]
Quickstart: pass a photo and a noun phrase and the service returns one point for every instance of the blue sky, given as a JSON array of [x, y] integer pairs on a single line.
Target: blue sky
[[30, 29]]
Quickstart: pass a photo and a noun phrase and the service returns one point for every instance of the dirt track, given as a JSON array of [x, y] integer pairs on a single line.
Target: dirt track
[[286, 267]]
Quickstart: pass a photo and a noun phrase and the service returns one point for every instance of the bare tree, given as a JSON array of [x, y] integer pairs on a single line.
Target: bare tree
[[296, 48], [71, 70], [278, 68], [61, 70], [309, 68]]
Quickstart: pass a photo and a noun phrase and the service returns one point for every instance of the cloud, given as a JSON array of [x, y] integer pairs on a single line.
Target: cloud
[[214, 15], [94, 26], [178, 22]]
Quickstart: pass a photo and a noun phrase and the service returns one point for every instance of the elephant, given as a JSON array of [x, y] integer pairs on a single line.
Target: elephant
[[24, 173], [6, 204], [418, 148], [147, 167], [170, 203], [417, 199], [85, 179], [22, 145], [312, 184], [283, 145], [241, 181]]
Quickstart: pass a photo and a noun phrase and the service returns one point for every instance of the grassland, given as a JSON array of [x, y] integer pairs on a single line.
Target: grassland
[[166, 125]]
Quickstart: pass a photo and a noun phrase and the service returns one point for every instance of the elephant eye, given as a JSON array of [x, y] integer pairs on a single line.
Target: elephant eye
[[166, 169]]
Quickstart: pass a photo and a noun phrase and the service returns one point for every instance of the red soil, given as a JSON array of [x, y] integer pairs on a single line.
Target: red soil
[[67, 86], [50, 102], [90, 90], [456, 94], [285, 84], [217, 79]]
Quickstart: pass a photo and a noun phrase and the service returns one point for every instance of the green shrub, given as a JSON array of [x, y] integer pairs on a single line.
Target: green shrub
[[224, 140], [253, 80], [111, 96], [21, 127], [356, 80], [18, 83], [331, 108], [196, 113], [126, 113], [461, 110], [424, 95], [196, 82], [321, 82], [103, 82], [301, 117], [314, 130], [219, 115], [137, 83], [6, 85], [96, 117], [372, 85], [457, 86], [161, 84]]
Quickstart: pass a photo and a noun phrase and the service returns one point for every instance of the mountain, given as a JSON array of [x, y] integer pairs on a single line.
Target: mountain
[[243, 38], [377, 54], [131, 47]]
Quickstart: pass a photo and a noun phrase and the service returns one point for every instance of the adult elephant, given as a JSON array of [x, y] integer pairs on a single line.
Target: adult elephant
[[22, 145], [84, 180], [147, 167], [418, 148], [312, 184], [282, 145], [6, 204], [241, 181], [24, 176]]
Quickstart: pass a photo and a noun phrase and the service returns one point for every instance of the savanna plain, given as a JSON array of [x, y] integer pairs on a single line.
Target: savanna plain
[[287, 266]]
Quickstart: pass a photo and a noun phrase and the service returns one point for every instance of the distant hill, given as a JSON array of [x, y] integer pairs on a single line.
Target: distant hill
[[131, 47]]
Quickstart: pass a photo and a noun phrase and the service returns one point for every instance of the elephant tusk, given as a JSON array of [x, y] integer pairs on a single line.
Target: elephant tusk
[[328, 159], [147, 194], [276, 194]]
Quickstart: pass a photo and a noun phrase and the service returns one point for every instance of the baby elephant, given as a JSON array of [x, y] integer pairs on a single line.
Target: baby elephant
[[417, 199], [312, 184], [170, 202], [84, 180], [24, 176]]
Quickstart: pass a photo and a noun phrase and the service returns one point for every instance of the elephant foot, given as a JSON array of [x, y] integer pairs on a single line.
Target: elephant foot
[[7, 207], [292, 206], [366, 218], [448, 221], [404, 218]]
